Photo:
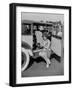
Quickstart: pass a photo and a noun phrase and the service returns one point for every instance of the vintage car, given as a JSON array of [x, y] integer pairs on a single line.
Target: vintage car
[[30, 44]]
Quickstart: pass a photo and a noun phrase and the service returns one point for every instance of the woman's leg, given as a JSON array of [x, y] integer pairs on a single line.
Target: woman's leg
[[44, 55]]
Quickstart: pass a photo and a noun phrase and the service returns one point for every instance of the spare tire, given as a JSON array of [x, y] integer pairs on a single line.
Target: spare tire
[[25, 59]]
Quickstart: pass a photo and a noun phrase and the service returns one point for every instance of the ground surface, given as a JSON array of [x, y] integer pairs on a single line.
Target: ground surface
[[39, 69]]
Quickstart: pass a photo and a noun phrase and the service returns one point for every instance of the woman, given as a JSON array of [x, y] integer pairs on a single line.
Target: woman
[[45, 52]]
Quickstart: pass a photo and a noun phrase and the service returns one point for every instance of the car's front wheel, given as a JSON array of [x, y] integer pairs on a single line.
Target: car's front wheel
[[25, 59]]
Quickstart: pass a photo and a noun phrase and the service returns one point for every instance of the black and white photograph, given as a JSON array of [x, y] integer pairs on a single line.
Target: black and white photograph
[[40, 44]]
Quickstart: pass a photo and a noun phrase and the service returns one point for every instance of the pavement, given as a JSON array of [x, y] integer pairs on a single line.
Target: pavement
[[39, 69]]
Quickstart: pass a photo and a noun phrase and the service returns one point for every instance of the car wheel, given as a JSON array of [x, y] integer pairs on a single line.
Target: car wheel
[[25, 59]]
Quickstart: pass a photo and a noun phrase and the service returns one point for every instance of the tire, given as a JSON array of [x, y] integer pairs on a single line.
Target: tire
[[25, 59]]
